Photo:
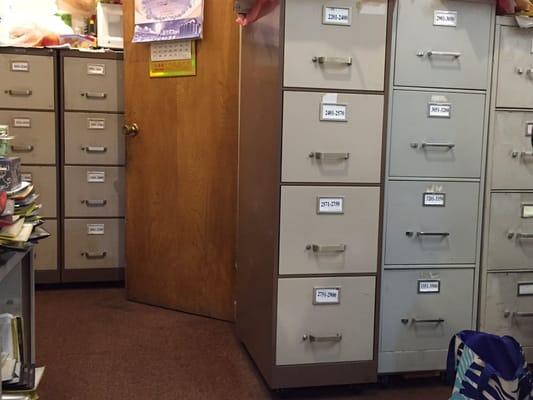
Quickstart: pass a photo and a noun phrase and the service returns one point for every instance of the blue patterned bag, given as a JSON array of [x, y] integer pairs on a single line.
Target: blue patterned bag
[[488, 367]]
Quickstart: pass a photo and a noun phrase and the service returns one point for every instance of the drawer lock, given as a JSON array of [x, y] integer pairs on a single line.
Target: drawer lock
[[321, 339]]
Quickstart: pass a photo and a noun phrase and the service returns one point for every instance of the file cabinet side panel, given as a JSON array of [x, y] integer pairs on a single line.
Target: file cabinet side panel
[[259, 188]]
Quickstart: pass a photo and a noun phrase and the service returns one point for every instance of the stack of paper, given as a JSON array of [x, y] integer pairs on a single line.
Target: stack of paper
[[19, 218], [19, 380]]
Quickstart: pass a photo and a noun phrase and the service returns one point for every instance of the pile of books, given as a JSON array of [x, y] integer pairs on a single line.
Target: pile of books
[[19, 380], [19, 217]]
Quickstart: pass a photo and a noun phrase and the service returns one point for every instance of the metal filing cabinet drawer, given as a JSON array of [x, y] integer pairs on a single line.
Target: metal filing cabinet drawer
[[512, 150], [93, 84], [515, 68], [94, 191], [332, 137], [326, 230], [35, 135], [436, 134], [431, 222], [27, 82], [432, 52], [45, 181], [424, 308], [325, 320], [511, 231], [337, 44], [94, 139], [94, 243], [509, 309], [45, 253]]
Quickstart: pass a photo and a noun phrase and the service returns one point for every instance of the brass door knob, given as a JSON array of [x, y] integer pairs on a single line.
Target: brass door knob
[[130, 130]]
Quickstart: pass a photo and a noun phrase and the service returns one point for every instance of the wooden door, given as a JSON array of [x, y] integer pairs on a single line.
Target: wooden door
[[182, 172]]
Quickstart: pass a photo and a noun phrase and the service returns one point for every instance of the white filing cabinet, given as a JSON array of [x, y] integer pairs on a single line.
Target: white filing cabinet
[[28, 105], [440, 80], [507, 271], [93, 166], [310, 190]]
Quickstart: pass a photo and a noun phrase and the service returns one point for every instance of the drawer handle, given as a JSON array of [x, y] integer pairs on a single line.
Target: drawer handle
[[321, 339], [329, 156], [94, 95], [422, 234], [333, 60], [341, 248], [94, 149], [22, 148], [453, 54], [94, 203], [20, 93], [519, 314], [426, 145], [519, 235], [92, 255], [521, 154]]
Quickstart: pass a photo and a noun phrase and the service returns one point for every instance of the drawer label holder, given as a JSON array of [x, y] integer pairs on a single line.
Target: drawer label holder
[[95, 69], [434, 199], [95, 123], [333, 112], [330, 205], [95, 176], [445, 18], [21, 122], [428, 286], [525, 289], [326, 295], [529, 128], [527, 210], [337, 16], [20, 66], [439, 110], [95, 229]]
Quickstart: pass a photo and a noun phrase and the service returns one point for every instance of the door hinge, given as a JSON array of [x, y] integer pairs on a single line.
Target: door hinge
[[235, 310]]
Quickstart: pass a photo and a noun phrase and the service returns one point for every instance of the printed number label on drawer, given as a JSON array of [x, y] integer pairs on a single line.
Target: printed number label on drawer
[[21, 123], [95, 69], [96, 176], [333, 112], [434, 199], [337, 16], [529, 129], [444, 18], [428, 286], [330, 205], [20, 66], [439, 110], [96, 123], [95, 229], [322, 296], [525, 289]]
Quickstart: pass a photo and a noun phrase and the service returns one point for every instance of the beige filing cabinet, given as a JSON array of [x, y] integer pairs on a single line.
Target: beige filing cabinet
[[28, 104], [507, 271], [310, 190], [93, 170], [437, 135]]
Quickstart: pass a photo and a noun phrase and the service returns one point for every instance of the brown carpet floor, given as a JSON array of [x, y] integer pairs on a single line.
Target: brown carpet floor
[[98, 346]]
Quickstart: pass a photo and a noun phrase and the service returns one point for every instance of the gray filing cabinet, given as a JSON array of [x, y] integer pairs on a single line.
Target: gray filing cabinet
[[310, 189], [93, 166], [28, 105], [507, 271], [438, 119]]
